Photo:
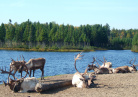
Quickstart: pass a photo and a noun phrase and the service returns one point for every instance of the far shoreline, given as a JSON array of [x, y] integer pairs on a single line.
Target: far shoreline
[[63, 50], [46, 50]]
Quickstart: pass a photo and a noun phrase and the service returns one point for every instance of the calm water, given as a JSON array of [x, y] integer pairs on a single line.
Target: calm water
[[63, 62]]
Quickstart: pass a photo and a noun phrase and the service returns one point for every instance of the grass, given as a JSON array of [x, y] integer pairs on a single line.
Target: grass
[[43, 50]]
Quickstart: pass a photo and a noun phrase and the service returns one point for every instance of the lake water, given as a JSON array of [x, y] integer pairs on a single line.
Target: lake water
[[63, 62]]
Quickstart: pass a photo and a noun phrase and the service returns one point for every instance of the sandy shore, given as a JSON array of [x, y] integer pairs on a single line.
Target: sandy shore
[[106, 85]]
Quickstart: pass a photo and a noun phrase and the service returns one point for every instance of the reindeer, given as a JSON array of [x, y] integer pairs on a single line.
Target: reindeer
[[34, 64], [106, 64], [14, 65], [126, 69], [23, 84], [100, 69], [81, 80]]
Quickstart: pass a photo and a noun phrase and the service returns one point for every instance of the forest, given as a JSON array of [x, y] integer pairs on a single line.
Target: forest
[[35, 35]]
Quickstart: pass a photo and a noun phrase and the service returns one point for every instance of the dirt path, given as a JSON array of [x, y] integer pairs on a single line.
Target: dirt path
[[106, 85]]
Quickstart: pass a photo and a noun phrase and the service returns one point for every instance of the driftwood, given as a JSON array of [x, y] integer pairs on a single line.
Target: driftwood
[[54, 82], [41, 87]]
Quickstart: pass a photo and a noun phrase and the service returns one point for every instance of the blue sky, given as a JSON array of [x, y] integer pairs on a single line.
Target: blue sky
[[120, 14]]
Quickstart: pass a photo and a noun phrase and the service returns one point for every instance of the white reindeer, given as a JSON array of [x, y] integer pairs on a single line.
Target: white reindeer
[[81, 80], [28, 84], [20, 85]]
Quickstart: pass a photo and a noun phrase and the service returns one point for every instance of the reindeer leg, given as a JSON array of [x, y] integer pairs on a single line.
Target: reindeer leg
[[21, 74], [42, 76], [33, 72], [30, 73]]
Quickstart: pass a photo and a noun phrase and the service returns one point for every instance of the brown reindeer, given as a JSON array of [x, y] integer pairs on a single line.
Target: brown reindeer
[[100, 69], [11, 83], [126, 69], [34, 64], [14, 65]]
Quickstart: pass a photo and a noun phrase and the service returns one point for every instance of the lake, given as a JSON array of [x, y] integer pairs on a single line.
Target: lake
[[63, 62]]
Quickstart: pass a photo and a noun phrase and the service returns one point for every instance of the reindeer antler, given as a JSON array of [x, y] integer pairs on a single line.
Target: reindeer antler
[[12, 59], [102, 61], [4, 71], [77, 57], [23, 58], [133, 62], [94, 59]]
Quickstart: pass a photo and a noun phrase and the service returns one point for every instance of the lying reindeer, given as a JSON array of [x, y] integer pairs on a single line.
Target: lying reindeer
[[34, 64], [106, 64], [126, 69], [81, 80], [100, 69], [23, 84]]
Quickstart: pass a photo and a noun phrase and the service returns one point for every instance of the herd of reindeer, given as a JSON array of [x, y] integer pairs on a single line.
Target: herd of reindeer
[[80, 80]]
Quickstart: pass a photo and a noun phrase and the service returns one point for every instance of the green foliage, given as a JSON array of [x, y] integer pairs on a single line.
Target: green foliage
[[135, 40], [2, 32], [10, 32], [52, 35]]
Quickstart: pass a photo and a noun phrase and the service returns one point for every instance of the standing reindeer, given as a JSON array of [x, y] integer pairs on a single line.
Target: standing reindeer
[[15, 65], [81, 80], [34, 64]]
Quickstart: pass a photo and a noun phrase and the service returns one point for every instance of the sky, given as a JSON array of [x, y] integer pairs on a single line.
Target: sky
[[119, 14]]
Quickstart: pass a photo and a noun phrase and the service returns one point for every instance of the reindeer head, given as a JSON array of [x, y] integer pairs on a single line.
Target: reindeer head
[[15, 65], [92, 66], [133, 67], [85, 82], [15, 85], [21, 68]]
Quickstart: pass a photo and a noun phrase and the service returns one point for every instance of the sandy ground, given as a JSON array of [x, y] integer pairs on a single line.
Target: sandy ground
[[106, 85]]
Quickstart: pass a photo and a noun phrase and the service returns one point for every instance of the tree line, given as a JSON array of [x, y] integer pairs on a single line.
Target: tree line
[[54, 36]]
